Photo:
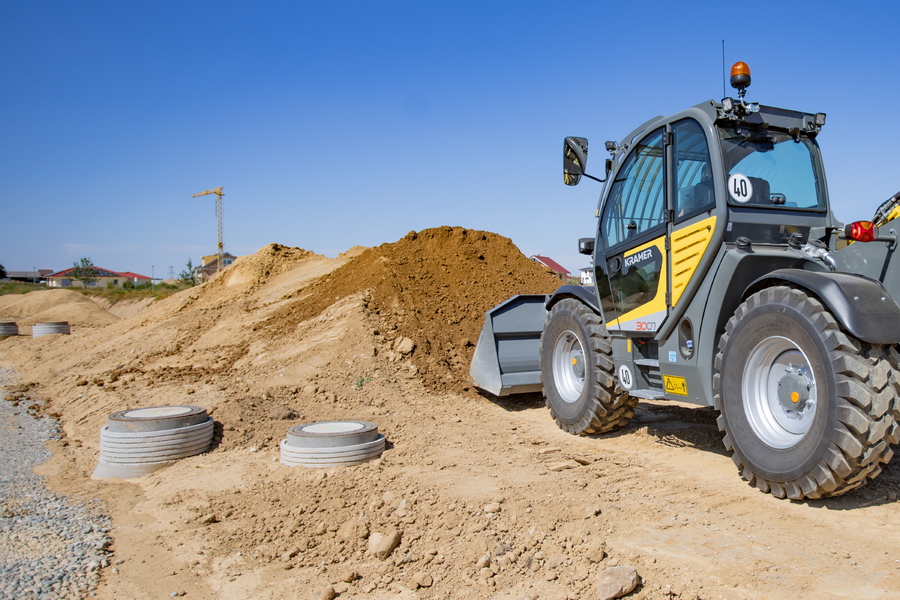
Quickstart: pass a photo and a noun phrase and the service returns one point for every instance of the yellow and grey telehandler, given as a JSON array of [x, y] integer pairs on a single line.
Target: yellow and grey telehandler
[[721, 278]]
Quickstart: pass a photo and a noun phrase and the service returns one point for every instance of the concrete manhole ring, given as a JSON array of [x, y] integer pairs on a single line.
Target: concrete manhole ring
[[50, 327], [332, 434], [8, 328], [156, 418], [293, 456], [138, 441], [331, 444]]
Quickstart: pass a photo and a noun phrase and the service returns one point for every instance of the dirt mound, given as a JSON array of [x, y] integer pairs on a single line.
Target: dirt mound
[[352, 252], [54, 305], [433, 287]]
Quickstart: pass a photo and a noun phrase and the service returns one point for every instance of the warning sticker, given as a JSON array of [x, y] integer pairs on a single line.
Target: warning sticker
[[675, 385]]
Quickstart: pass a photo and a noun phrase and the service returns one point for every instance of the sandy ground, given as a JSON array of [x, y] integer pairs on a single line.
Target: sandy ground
[[287, 337]]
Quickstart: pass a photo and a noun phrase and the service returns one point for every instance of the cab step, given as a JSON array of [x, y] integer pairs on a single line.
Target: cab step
[[647, 362], [648, 394]]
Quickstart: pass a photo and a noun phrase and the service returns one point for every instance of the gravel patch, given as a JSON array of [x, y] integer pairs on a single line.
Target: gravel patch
[[50, 545]]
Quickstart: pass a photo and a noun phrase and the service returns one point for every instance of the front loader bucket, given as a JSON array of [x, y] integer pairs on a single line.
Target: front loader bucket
[[507, 358]]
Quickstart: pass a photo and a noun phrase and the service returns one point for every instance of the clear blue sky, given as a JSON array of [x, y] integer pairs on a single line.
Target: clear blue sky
[[336, 124]]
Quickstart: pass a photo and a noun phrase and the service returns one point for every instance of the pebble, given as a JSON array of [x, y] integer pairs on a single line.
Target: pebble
[[50, 546]]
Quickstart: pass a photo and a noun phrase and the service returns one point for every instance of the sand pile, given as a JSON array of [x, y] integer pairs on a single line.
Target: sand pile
[[54, 305], [250, 279], [433, 287], [352, 252]]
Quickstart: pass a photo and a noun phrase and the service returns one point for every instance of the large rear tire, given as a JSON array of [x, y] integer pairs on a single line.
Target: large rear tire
[[578, 373], [807, 410]]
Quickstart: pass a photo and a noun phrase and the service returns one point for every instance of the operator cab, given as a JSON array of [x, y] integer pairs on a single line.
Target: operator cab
[[678, 185]]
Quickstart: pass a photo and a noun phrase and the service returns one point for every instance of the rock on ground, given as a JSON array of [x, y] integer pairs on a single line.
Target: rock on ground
[[616, 582], [381, 545]]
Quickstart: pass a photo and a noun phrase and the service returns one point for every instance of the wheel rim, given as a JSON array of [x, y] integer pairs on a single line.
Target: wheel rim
[[568, 366], [779, 392]]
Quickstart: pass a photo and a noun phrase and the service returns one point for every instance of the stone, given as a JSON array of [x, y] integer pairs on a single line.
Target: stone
[[327, 593], [349, 576], [381, 545], [478, 527], [353, 529], [404, 345], [294, 551], [423, 579], [282, 413], [560, 466], [482, 562], [493, 507], [208, 519], [616, 582], [595, 552]]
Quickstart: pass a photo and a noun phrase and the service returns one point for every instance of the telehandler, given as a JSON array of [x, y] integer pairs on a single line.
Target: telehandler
[[721, 278]]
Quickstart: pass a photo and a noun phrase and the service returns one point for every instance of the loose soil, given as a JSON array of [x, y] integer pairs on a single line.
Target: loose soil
[[490, 499]]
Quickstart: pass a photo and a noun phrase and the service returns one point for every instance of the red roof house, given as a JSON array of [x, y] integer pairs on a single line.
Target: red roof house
[[551, 264], [64, 279]]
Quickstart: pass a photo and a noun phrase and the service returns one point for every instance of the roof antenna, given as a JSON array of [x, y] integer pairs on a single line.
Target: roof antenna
[[724, 92]]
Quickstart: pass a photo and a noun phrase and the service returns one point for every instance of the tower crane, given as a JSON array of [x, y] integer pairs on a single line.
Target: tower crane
[[218, 192]]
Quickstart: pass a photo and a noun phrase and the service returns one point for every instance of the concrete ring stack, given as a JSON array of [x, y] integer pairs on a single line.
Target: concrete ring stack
[[142, 440], [49, 327], [331, 444]]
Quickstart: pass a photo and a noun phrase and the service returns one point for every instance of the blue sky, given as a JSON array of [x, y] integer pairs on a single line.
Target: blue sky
[[336, 124]]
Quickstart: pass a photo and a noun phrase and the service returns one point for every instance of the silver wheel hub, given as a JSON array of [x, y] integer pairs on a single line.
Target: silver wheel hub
[[779, 392], [568, 366]]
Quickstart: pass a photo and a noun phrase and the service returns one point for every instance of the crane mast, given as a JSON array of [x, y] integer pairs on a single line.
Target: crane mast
[[219, 193]]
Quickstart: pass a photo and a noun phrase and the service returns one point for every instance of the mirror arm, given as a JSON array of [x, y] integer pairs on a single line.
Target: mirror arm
[[595, 179], [608, 171]]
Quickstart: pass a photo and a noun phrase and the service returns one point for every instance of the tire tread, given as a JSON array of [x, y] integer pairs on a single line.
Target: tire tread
[[867, 381], [610, 407]]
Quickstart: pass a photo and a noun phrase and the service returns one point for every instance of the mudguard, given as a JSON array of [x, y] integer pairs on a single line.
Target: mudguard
[[861, 304], [585, 295]]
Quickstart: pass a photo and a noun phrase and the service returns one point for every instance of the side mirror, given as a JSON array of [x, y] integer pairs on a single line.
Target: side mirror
[[575, 152], [586, 245]]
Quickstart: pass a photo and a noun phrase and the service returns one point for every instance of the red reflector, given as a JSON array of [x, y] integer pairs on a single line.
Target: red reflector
[[862, 231]]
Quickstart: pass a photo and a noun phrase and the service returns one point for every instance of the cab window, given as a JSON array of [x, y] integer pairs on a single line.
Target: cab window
[[693, 183], [636, 202], [771, 170]]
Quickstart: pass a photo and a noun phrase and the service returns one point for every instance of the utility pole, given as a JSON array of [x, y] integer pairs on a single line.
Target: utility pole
[[34, 275], [218, 192], [152, 277]]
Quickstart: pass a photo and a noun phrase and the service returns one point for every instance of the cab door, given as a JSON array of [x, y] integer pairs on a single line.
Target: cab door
[[633, 237]]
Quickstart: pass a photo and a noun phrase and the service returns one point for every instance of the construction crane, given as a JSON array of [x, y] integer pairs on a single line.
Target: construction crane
[[218, 192]]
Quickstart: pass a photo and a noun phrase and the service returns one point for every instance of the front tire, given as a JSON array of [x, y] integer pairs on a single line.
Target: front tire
[[577, 372], [807, 410]]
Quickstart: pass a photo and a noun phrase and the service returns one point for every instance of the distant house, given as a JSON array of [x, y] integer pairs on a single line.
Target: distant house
[[28, 276], [210, 264], [64, 279], [587, 276], [551, 264]]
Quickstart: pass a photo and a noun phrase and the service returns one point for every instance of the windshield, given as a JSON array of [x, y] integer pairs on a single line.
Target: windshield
[[771, 170]]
